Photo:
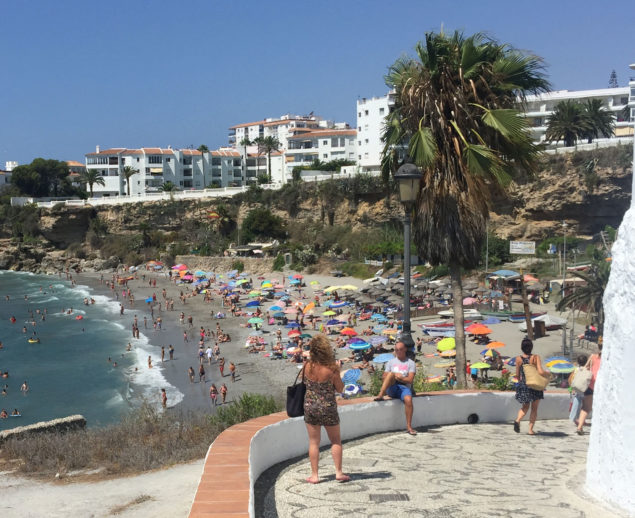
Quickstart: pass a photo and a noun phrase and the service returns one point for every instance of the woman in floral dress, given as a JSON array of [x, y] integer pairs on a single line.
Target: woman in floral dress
[[524, 395], [322, 379]]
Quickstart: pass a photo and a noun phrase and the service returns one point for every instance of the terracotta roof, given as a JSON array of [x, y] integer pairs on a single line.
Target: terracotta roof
[[224, 152], [74, 163], [245, 124], [111, 151], [191, 152], [326, 133], [157, 151]]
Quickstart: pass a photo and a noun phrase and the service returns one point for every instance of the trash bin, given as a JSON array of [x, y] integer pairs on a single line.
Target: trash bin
[[539, 329]]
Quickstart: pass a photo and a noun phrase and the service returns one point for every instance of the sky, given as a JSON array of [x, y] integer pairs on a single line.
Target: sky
[[140, 73]]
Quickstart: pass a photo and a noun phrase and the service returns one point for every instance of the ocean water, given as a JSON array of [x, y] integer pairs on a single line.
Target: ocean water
[[69, 371]]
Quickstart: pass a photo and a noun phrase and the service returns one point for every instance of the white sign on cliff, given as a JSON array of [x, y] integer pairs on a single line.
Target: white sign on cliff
[[522, 247]]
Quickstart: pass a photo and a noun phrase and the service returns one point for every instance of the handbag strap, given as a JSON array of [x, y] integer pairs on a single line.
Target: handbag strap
[[301, 372]]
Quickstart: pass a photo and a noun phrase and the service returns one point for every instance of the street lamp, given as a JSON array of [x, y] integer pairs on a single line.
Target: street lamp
[[564, 280], [409, 177]]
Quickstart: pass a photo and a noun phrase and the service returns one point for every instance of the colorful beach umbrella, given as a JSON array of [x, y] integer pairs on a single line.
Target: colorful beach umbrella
[[361, 346], [562, 368], [348, 331], [275, 308], [495, 345], [446, 344], [308, 307], [444, 365], [481, 365], [314, 283], [255, 320], [328, 313], [252, 304]]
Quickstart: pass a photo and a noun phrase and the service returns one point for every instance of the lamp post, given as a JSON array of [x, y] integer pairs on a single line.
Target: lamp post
[[408, 176], [564, 278]]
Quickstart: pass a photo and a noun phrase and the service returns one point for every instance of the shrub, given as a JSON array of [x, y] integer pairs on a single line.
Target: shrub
[[247, 407], [238, 265], [261, 223], [278, 263]]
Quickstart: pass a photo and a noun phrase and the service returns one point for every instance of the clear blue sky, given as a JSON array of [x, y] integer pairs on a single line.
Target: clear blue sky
[[128, 73]]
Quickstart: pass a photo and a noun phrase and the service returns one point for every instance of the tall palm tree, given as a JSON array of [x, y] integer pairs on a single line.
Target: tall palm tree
[[269, 145], [128, 172], [456, 116], [244, 143], [601, 121], [92, 177], [260, 142], [589, 297], [568, 123]]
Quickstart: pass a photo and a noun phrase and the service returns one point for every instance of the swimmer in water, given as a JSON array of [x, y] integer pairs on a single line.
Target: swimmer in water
[[25, 387]]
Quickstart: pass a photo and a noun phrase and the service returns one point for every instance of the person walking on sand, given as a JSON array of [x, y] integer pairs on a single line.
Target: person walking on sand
[[164, 398], [171, 352], [221, 367], [213, 394], [593, 364], [201, 374], [191, 373], [162, 353], [223, 392], [321, 375], [524, 395], [185, 340], [232, 371], [398, 376]]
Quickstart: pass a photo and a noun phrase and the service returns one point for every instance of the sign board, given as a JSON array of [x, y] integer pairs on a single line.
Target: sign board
[[522, 247]]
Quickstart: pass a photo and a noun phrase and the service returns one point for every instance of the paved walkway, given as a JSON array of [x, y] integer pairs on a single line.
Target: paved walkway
[[450, 471]]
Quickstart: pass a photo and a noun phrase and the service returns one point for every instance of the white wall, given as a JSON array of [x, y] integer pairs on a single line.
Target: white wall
[[369, 418], [370, 124], [611, 457]]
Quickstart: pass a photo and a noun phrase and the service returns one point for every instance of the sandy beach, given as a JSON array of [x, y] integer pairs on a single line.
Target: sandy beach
[[255, 372]]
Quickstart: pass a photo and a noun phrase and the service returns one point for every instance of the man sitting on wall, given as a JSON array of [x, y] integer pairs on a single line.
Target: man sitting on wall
[[398, 377]]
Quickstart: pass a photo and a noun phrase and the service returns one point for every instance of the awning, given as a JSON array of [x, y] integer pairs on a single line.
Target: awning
[[156, 170]]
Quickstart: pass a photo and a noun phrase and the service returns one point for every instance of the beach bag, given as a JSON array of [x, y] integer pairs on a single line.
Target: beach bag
[[295, 397], [581, 380], [534, 380]]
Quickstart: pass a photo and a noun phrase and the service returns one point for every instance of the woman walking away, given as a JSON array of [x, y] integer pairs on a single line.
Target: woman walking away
[[587, 403], [576, 397], [322, 378], [524, 395]]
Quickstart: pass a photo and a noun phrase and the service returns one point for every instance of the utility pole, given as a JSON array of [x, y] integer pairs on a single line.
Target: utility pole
[[486, 246], [564, 278], [523, 290]]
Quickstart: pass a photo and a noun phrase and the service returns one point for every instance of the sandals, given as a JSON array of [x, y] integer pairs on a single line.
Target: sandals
[[516, 427]]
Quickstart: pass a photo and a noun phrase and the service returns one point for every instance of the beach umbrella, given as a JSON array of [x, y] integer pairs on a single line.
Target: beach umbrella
[[179, 267], [149, 299], [255, 320], [448, 354], [238, 282], [291, 311], [285, 297], [305, 335], [294, 282], [331, 288], [348, 331], [349, 287], [292, 325], [360, 346], [254, 293], [444, 365], [478, 329], [562, 368], [377, 340], [278, 314], [293, 333], [187, 277], [252, 304], [275, 308], [336, 305], [328, 313], [333, 322], [314, 283], [556, 362], [200, 273], [351, 376], [468, 301], [266, 284], [481, 365], [434, 379], [491, 320], [383, 358], [293, 350], [490, 353], [379, 328], [309, 307], [511, 362], [495, 345], [297, 276], [446, 344], [552, 358]]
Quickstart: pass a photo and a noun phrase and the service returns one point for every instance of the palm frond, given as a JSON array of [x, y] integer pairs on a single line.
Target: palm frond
[[422, 147]]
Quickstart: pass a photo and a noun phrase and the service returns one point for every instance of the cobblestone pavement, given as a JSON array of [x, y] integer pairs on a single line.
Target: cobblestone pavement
[[483, 470]]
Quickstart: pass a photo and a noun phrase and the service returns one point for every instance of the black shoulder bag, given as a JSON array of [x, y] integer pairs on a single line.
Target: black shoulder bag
[[295, 396]]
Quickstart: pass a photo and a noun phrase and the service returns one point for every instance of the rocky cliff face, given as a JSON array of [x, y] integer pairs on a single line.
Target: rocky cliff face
[[587, 190]]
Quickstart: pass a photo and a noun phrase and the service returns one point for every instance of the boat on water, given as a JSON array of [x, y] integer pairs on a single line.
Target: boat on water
[[517, 318], [467, 313]]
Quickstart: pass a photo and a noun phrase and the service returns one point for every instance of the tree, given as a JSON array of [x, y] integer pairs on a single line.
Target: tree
[[589, 297], [261, 223], [92, 177], [128, 172], [613, 80], [600, 120], [42, 177], [244, 143], [269, 144], [330, 195], [568, 123], [168, 187], [203, 148], [260, 142], [456, 117]]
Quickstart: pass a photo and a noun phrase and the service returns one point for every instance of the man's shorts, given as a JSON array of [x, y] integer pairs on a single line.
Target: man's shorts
[[398, 391]]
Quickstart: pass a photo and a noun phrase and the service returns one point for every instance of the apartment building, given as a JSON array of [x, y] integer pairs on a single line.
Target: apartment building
[[371, 113], [540, 107], [324, 145], [185, 168]]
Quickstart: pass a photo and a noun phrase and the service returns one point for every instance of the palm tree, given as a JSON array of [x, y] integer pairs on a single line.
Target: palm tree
[[456, 117], [590, 297], [568, 123], [92, 177], [170, 188], [260, 142], [128, 172], [600, 120], [270, 144], [244, 143], [203, 148]]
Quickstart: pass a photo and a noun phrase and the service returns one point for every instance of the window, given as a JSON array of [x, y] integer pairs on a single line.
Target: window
[[623, 100], [366, 141], [359, 142], [366, 112], [187, 172], [187, 183], [325, 155], [359, 157], [325, 142], [215, 161], [342, 141], [167, 159], [365, 155], [359, 128], [359, 114], [187, 160], [155, 159], [137, 159], [334, 142], [381, 111]]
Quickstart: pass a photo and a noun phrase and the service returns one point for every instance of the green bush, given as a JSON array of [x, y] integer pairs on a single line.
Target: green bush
[[238, 265], [502, 383], [247, 407], [278, 263]]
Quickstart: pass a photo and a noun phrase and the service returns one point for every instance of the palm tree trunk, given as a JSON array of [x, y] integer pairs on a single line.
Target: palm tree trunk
[[128, 184], [523, 290], [459, 334], [269, 164]]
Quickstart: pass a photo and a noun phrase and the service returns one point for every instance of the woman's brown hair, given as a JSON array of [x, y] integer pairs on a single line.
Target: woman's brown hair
[[321, 351]]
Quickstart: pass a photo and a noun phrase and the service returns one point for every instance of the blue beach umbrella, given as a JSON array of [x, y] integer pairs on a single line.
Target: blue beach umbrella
[[292, 325], [351, 376], [149, 299], [334, 322], [491, 320], [278, 314], [252, 304], [360, 346], [339, 304], [275, 308], [377, 340], [356, 341], [383, 358]]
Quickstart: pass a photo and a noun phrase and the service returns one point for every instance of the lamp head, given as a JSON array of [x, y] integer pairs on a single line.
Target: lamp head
[[408, 176]]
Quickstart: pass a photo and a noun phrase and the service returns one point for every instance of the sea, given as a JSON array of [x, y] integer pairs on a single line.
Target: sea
[[80, 365]]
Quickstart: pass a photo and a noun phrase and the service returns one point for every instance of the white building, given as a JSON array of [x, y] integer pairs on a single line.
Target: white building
[[540, 107], [371, 113], [10, 165], [324, 145], [185, 168]]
